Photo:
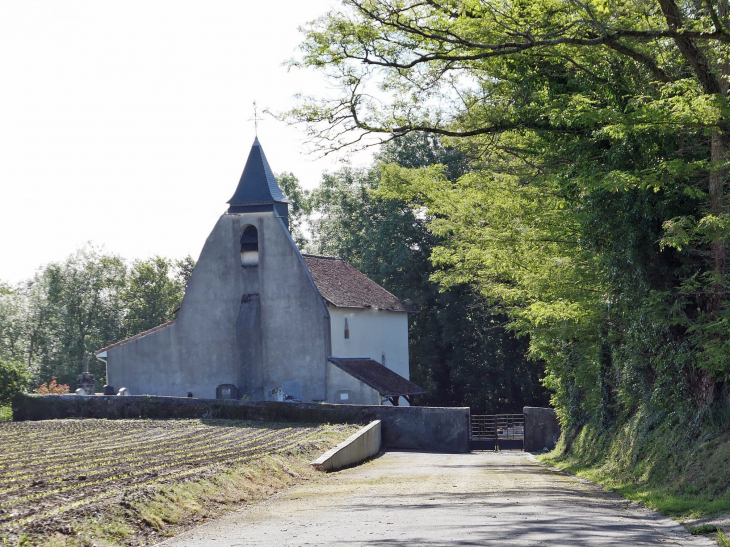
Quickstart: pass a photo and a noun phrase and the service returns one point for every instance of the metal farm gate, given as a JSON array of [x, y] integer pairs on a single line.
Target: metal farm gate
[[497, 432]]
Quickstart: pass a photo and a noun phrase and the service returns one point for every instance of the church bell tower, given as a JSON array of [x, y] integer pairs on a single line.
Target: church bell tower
[[258, 190]]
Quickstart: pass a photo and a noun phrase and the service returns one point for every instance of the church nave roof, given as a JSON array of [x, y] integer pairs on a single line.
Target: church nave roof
[[345, 287]]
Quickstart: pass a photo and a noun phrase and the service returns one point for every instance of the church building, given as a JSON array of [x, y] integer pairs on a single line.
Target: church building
[[261, 321]]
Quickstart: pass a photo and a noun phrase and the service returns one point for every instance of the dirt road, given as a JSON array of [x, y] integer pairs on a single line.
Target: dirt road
[[407, 498]]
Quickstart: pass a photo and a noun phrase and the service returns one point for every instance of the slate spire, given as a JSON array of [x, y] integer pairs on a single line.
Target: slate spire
[[258, 190]]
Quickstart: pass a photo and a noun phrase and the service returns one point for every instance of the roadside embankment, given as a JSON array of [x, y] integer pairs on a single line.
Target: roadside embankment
[[681, 469]]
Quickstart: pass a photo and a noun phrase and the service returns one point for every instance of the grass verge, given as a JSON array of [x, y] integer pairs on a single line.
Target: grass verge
[[6, 413], [681, 471]]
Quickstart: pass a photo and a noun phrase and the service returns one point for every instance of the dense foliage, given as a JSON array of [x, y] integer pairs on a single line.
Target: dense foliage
[[593, 213], [459, 350], [54, 321], [52, 388], [14, 378]]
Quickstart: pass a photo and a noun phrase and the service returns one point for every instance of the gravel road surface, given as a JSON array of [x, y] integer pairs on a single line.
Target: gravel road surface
[[411, 498]]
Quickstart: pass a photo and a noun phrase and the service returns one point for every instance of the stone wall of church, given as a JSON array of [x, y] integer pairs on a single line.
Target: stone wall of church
[[345, 389], [200, 350], [255, 327], [294, 320]]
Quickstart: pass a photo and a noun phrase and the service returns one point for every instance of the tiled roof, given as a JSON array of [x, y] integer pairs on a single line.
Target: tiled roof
[[257, 184], [345, 287], [140, 335], [380, 378]]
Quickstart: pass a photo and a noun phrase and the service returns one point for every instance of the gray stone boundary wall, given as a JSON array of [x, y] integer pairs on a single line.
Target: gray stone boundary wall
[[542, 428], [356, 448], [433, 429]]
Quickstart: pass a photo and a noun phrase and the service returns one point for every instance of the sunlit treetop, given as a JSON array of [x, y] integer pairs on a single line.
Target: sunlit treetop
[[468, 67]]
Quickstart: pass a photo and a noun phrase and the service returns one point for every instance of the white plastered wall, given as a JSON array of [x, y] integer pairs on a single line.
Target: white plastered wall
[[372, 334]]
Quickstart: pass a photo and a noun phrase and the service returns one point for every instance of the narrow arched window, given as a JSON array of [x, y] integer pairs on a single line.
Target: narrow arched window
[[250, 246], [347, 329]]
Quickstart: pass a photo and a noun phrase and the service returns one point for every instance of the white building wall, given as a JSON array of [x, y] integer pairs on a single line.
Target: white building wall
[[372, 334]]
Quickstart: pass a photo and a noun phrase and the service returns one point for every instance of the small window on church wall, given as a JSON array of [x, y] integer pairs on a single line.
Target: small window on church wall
[[250, 246], [347, 329]]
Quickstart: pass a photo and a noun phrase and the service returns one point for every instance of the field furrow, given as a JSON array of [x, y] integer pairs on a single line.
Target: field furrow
[[54, 467]]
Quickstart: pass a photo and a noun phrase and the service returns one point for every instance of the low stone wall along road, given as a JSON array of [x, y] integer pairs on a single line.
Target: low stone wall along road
[[424, 499]]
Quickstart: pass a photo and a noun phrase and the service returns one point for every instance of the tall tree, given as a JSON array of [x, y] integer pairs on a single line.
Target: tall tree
[[184, 270], [153, 292], [595, 211], [459, 350], [298, 206], [80, 310], [13, 324]]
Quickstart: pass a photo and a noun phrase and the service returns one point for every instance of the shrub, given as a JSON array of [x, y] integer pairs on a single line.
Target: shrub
[[52, 388], [14, 378], [6, 414]]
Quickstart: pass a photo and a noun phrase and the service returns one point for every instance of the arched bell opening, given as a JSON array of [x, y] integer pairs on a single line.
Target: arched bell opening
[[250, 246]]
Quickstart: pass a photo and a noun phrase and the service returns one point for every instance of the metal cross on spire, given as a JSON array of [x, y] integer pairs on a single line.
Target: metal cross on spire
[[256, 119]]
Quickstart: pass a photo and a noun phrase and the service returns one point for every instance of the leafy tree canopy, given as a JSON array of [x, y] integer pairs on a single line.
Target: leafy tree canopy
[[72, 308], [14, 378], [459, 349], [470, 68], [298, 206], [593, 211], [153, 292]]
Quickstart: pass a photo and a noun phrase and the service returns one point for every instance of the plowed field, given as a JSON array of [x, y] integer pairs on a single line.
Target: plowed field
[[53, 467]]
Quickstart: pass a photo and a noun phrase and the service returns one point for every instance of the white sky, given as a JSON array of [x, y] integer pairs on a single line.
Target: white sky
[[127, 123]]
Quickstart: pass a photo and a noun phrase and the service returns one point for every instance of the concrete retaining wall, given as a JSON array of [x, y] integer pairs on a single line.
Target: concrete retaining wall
[[542, 428], [358, 447], [416, 428]]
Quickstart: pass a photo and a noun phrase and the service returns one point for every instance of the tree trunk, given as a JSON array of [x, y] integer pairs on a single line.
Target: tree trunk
[[718, 156], [719, 244], [605, 371], [706, 380]]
